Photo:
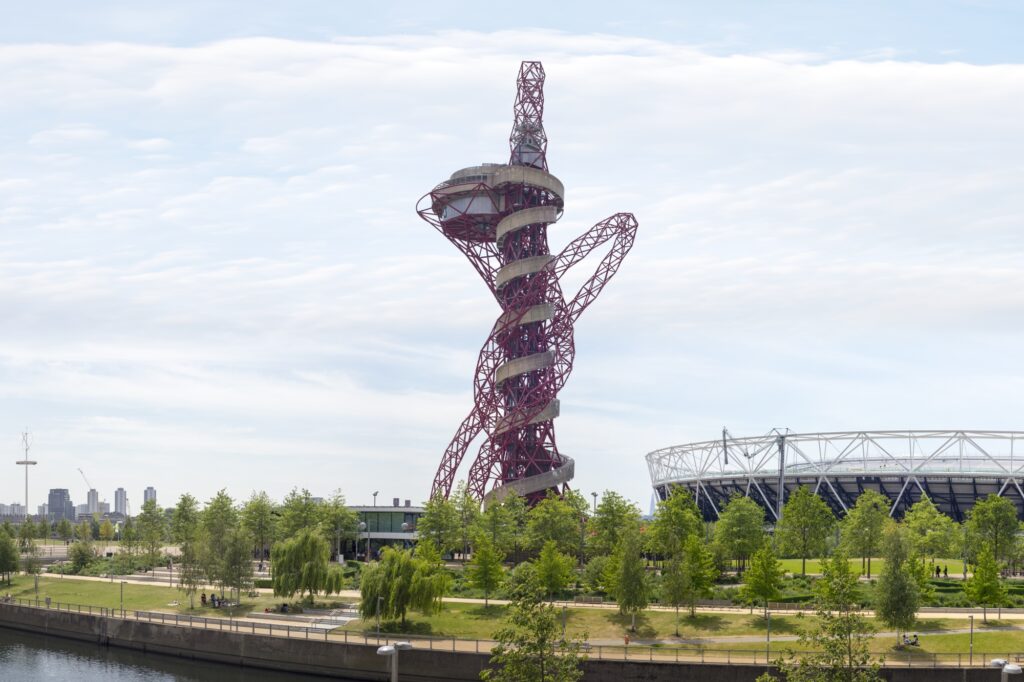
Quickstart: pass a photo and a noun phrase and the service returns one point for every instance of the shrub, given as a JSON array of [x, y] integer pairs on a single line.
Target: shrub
[[81, 554]]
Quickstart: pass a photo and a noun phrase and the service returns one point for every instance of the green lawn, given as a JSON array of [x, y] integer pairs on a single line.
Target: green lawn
[[136, 597], [955, 566], [986, 645], [472, 621]]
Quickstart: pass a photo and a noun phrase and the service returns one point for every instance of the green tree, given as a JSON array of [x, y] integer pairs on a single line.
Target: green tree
[[740, 528], [675, 521], [106, 532], [615, 517], [190, 574], [553, 569], [837, 647], [400, 582], [467, 513], [495, 525], [518, 511], [439, 524], [763, 580], [932, 533], [8, 556], [298, 512], [30, 563], [258, 520], [65, 530], [675, 584], [697, 574], [129, 538], [187, 533], [83, 531], [485, 571], [530, 647], [992, 522], [554, 519], [632, 589], [897, 594], [26, 535], [236, 571], [216, 522], [152, 525], [921, 572], [805, 526], [301, 565], [595, 574], [338, 521], [185, 520], [985, 589], [862, 528]]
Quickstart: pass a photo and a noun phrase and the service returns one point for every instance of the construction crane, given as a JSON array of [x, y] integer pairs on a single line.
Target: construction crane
[[85, 479]]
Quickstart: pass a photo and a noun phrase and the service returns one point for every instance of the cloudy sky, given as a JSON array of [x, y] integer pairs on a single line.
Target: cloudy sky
[[212, 275]]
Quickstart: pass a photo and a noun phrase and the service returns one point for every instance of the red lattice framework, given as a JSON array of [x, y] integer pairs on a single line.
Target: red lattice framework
[[497, 215]]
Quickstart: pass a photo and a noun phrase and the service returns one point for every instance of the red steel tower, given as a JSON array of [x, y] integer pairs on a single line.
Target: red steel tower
[[498, 215]]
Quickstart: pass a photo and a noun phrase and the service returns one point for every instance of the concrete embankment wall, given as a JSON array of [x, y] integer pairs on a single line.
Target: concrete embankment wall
[[361, 662]]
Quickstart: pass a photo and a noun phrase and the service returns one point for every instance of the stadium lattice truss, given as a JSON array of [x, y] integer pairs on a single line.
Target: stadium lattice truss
[[953, 468]]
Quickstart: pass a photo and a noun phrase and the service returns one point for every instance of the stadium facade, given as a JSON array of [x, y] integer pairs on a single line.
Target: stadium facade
[[953, 468]]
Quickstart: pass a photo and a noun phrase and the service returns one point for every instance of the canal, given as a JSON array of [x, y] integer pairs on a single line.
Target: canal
[[28, 657]]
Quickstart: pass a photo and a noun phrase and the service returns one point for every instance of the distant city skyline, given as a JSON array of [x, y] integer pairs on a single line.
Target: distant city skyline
[[212, 276]]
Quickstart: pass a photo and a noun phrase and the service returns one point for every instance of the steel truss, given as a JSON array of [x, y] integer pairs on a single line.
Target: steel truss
[[497, 215], [953, 468]]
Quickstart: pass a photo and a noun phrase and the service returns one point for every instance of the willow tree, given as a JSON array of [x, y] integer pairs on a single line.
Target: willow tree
[[389, 588], [301, 564]]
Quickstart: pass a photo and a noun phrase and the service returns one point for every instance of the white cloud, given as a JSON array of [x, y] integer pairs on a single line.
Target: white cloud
[[209, 259]]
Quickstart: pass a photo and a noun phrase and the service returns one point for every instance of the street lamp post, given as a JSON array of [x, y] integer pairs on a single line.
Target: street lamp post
[[363, 526], [971, 649], [375, 497], [379, 600], [391, 651], [122, 599], [594, 495], [26, 463]]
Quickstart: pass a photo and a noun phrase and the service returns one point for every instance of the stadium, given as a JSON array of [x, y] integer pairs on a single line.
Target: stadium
[[953, 468]]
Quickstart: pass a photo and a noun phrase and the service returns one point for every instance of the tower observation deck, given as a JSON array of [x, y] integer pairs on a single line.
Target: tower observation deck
[[498, 216]]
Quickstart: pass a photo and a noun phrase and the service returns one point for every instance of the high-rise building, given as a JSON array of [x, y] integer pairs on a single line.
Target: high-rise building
[[5, 509], [92, 504], [149, 494], [43, 510], [121, 501], [18, 509], [60, 505]]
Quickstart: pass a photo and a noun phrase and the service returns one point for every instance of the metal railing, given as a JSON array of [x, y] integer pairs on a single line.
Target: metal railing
[[617, 652]]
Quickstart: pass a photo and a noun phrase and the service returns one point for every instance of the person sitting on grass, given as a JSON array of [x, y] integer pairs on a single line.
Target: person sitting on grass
[[202, 599]]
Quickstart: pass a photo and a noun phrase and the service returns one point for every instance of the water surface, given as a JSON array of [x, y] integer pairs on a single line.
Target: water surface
[[26, 656]]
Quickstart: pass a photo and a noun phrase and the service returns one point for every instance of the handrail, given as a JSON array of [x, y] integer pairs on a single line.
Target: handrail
[[618, 652]]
